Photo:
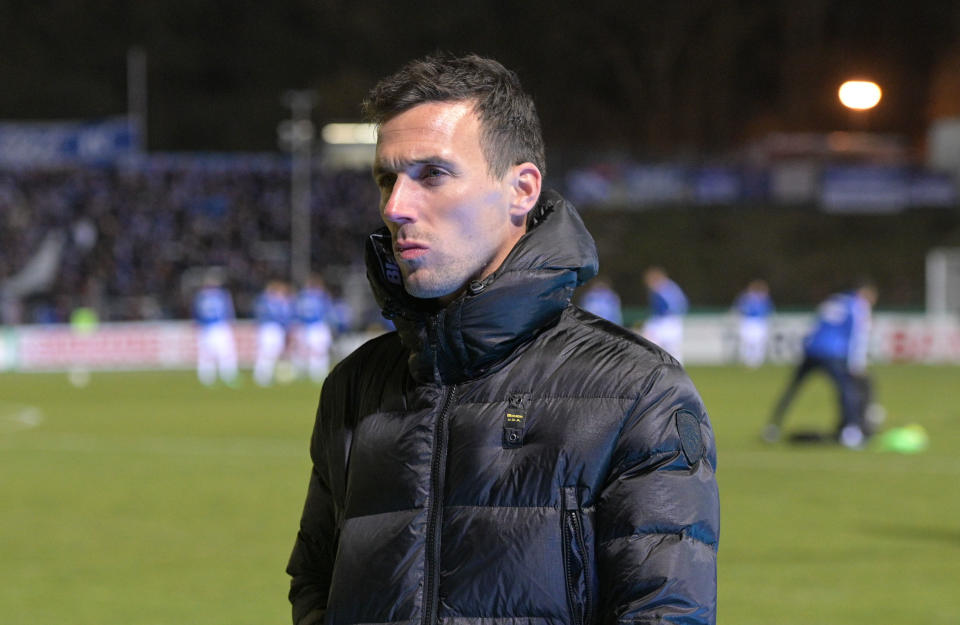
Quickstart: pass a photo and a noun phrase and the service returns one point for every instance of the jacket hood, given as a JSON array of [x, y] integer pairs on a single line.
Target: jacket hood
[[479, 329]]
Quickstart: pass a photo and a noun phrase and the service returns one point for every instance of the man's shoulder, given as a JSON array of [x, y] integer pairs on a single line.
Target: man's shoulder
[[359, 376], [599, 336], [370, 353], [587, 356], [584, 358]]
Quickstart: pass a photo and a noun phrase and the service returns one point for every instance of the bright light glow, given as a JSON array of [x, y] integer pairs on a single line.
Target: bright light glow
[[349, 134], [860, 95]]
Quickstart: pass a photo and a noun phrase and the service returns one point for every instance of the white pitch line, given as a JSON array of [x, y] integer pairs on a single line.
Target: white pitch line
[[162, 445], [15, 417], [849, 461]]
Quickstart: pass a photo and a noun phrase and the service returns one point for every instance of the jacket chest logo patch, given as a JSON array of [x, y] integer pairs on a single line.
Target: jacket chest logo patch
[[515, 420]]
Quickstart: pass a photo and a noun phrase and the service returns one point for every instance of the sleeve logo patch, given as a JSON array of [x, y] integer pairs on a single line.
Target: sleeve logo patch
[[691, 439]]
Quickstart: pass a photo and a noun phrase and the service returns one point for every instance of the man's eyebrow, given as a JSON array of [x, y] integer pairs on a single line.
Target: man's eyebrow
[[394, 166]]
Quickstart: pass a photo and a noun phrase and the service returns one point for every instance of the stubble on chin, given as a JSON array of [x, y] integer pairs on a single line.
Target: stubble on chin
[[414, 280], [429, 283], [422, 288]]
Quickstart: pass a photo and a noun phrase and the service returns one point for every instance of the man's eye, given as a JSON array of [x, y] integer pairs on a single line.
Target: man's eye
[[432, 174]]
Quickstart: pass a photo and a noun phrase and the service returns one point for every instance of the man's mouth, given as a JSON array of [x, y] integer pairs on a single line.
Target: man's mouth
[[409, 250]]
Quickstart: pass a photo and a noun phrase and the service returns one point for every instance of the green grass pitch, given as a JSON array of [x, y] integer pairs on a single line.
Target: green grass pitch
[[146, 499]]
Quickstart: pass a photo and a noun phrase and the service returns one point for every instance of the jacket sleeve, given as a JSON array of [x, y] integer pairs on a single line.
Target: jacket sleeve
[[658, 515], [311, 563]]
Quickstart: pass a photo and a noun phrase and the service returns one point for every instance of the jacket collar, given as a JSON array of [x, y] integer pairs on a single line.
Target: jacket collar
[[481, 328]]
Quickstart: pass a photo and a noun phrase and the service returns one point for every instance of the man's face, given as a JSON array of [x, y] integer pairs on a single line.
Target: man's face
[[449, 219]]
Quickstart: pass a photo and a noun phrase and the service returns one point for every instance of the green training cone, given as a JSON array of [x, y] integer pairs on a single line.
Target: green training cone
[[909, 439]]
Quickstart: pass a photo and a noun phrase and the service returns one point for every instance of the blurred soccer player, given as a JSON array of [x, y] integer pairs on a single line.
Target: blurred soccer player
[[313, 311], [753, 307], [837, 346], [603, 301], [216, 347], [274, 313], [668, 305]]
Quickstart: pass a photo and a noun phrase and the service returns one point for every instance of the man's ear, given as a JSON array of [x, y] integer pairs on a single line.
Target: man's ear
[[525, 180]]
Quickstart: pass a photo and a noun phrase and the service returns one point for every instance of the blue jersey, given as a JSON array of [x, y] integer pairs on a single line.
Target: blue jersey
[[754, 305], [667, 299], [212, 305], [274, 308], [313, 306], [341, 315], [603, 302], [841, 331]]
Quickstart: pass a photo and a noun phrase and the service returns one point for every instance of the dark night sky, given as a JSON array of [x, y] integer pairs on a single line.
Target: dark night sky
[[644, 77]]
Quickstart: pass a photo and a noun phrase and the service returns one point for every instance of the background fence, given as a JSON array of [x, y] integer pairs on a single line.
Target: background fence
[[710, 339]]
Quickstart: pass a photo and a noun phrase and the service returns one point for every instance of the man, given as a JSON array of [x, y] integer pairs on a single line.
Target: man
[[753, 308], [314, 308], [216, 347], [274, 312], [502, 457], [668, 305], [837, 345], [601, 300]]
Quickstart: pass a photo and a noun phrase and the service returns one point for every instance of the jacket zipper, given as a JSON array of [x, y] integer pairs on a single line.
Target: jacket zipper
[[570, 590], [437, 470], [581, 544], [572, 512]]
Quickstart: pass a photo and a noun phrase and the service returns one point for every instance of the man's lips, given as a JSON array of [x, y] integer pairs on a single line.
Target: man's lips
[[408, 250]]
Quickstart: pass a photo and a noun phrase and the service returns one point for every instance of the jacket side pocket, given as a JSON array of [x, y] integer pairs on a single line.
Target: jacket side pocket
[[576, 560]]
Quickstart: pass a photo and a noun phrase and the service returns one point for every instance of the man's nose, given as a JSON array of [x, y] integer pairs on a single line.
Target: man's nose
[[399, 206]]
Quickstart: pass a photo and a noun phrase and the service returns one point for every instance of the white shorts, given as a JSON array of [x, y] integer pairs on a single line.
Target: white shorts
[[667, 332]]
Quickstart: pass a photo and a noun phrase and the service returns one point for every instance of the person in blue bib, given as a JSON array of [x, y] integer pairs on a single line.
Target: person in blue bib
[[753, 308], [667, 308], [274, 311], [837, 345], [214, 314], [603, 301], [314, 312]]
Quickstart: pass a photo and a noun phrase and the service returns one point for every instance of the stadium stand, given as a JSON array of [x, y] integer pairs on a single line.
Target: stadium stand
[[131, 238], [123, 236]]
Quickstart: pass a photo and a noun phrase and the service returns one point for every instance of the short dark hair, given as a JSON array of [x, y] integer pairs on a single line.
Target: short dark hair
[[509, 126]]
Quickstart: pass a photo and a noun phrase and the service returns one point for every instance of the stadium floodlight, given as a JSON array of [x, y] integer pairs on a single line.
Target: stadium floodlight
[[349, 134], [860, 95]]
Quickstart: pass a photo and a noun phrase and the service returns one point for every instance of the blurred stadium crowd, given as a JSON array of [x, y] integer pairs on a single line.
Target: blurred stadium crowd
[[134, 237], [132, 241]]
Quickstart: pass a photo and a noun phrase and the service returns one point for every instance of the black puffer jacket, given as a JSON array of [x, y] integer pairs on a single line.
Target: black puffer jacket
[[510, 459]]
